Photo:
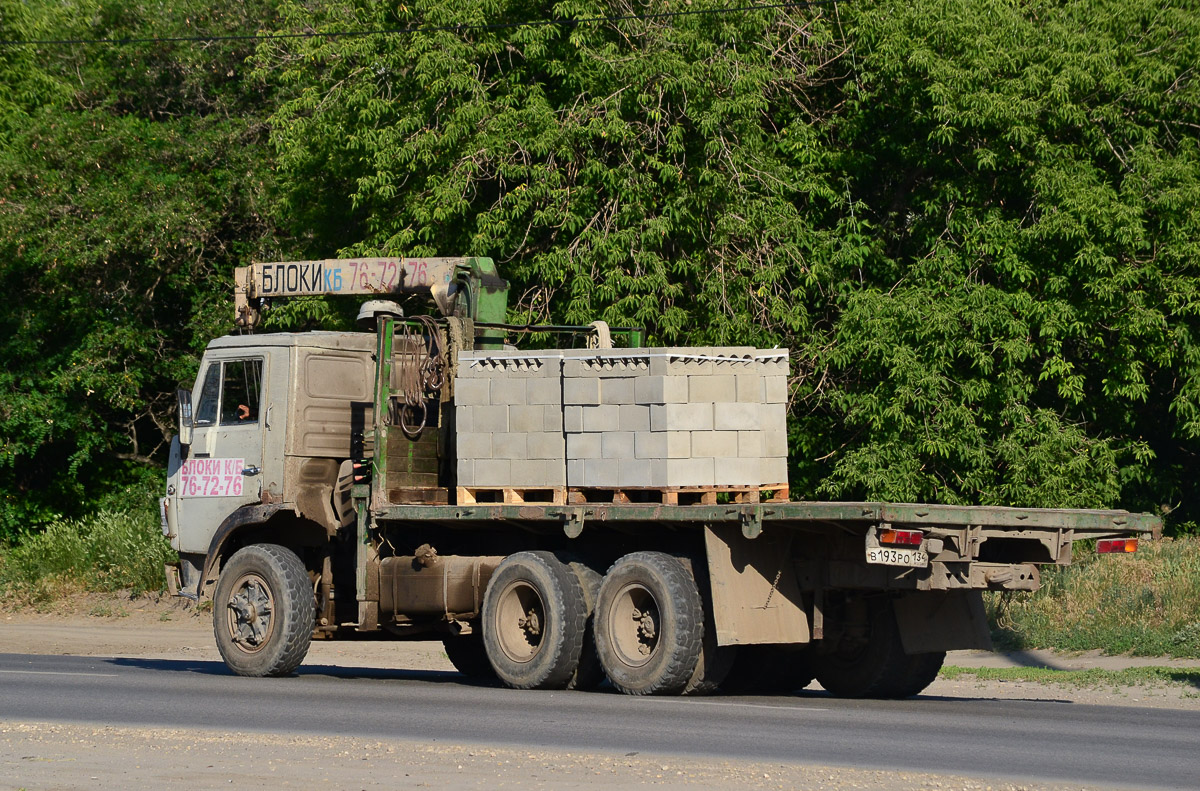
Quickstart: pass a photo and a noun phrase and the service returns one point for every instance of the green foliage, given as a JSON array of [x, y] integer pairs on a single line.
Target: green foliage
[[112, 550], [1147, 604]]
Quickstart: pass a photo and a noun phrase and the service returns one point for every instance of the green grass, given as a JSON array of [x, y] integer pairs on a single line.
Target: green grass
[[112, 550], [1090, 678], [1146, 604]]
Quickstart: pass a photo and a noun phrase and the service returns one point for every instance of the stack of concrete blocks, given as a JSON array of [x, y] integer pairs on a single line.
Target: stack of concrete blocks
[[676, 418], [509, 420]]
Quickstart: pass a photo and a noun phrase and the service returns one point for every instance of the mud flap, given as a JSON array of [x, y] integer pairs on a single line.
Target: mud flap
[[942, 621]]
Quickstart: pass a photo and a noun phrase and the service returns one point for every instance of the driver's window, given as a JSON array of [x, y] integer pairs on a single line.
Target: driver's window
[[231, 389], [240, 389]]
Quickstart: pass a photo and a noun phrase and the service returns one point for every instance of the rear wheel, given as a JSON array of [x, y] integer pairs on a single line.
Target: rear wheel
[[533, 621], [263, 611], [590, 673], [869, 660], [649, 624]]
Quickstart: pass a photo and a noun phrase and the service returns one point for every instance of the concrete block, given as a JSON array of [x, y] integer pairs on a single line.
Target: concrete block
[[581, 391], [491, 472], [681, 417], [775, 389], [737, 417], [617, 390], [749, 444], [662, 445], [471, 392], [749, 389], [466, 472], [601, 472], [509, 445], [508, 391], [552, 417], [688, 472], [774, 470], [526, 419], [660, 390], [637, 473], [544, 391], [538, 473], [773, 362], [492, 365], [474, 446], [738, 472], [715, 443], [576, 472], [676, 362], [584, 446], [609, 363], [463, 421], [572, 419], [773, 417], [713, 388], [633, 417], [617, 445], [774, 444], [489, 419], [545, 445], [604, 417]]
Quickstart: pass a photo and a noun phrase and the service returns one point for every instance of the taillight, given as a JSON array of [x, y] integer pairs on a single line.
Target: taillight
[[1107, 545], [904, 538]]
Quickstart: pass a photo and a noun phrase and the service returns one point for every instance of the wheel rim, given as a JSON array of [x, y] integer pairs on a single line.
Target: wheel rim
[[634, 625], [250, 613], [520, 621]]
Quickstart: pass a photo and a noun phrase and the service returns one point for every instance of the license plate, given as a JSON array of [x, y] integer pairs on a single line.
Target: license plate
[[888, 556]]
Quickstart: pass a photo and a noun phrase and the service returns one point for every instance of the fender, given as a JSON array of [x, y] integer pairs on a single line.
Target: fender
[[246, 515]]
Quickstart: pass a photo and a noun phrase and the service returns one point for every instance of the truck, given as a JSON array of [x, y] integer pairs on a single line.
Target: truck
[[564, 515]]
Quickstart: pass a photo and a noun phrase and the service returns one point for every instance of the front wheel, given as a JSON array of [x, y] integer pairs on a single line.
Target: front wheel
[[649, 624], [263, 611]]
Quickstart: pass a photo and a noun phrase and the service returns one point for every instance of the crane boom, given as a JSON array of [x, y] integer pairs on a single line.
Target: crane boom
[[443, 279]]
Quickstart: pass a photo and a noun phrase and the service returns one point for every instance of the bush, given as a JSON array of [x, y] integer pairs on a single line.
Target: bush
[[111, 550], [1147, 603]]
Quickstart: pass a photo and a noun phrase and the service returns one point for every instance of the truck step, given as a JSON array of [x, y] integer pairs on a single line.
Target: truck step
[[678, 495], [510, 495]]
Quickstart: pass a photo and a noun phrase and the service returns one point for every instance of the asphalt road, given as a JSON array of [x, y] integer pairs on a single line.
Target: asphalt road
[[1013, 740]]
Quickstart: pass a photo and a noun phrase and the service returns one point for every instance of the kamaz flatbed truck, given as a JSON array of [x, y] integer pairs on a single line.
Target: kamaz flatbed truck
[[313, 492]]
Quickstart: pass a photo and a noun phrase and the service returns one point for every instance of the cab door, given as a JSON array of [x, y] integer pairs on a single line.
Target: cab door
[[222, 469]]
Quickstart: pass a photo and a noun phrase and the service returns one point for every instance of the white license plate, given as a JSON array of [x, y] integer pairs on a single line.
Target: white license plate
[[888, 556]]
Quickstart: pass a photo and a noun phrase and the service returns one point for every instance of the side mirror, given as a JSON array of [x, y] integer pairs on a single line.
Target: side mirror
[[185, 416]]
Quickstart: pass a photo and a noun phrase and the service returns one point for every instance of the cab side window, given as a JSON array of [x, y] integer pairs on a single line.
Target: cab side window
[[231, 389], [240, 388]]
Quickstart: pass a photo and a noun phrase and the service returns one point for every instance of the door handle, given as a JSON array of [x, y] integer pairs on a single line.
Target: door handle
[[251, 471]]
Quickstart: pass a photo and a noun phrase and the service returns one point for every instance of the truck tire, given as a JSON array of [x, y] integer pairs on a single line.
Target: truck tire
[[590, 673], [533, 621], [768, 670], [877, 666], [469, 656], [263, 611], [714, 663], [649, 624]]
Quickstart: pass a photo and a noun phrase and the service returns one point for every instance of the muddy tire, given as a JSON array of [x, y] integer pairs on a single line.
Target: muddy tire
[[649, 624], [469, 656], [768, 670], [533, 621], [876, 665], [263, 611], [590, 673]]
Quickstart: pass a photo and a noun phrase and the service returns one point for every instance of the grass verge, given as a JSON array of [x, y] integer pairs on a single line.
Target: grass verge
[[1146, 604], [111, 550]]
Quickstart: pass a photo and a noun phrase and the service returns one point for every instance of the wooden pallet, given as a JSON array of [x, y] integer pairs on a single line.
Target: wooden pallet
[[512, 495], [677, 495]]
